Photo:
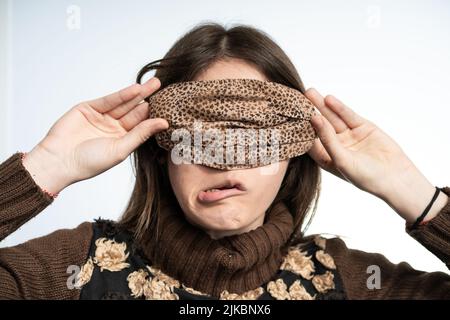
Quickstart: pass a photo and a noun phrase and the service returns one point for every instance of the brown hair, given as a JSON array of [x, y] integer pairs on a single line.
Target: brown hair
[[188, 57]]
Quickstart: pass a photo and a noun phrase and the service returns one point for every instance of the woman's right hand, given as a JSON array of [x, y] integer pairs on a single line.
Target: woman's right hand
[[94, 136]]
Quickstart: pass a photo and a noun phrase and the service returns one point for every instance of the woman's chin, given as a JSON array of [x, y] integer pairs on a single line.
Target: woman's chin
[[225, 219]]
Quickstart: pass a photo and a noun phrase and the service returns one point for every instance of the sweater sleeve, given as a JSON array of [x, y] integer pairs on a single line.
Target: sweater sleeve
[[397, 281], [36, 269]]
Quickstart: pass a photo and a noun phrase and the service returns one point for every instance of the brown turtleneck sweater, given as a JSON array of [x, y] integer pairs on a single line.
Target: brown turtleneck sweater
[[38, 268], [235, 263]]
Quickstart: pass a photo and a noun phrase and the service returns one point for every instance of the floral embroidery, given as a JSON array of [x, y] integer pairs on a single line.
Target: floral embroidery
[[320, 242], [325, 259], [110, 255], [156, 289], [85, 274], [278, 290], [161, 276], [298, 292], [248, 295], [193, 291], [225, 295], [136, 282], [323, 282], [297, 262]]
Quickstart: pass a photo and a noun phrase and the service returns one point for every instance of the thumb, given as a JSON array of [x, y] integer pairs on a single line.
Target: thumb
[[139, 134], [329, 139]]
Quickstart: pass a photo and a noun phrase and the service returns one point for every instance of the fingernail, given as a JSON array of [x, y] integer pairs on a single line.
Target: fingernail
[[332, 99], [164, 124], [154, 82]]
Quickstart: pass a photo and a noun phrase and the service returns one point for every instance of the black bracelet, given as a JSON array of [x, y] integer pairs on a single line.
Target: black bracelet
[[423, 215]]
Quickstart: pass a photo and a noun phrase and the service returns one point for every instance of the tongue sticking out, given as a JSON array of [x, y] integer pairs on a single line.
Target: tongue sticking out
[[216, 194]]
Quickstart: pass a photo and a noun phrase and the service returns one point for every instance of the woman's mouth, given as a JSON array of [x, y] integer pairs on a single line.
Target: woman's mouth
[[221, 192]]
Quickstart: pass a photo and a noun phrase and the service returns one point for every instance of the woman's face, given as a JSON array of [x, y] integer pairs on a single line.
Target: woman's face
[[226, 202]]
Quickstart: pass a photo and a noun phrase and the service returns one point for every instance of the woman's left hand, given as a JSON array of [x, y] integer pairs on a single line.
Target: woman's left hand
[[356, 150]]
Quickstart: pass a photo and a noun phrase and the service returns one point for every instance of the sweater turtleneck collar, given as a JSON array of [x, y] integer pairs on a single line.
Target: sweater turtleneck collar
[[236, 263]]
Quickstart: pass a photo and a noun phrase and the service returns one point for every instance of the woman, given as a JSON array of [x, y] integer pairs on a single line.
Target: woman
[[183, 234]]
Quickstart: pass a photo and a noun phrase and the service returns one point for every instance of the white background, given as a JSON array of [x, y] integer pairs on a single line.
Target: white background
[[387, 60]]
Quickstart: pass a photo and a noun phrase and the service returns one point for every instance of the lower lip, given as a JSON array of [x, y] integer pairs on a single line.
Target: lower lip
[[208, 197]]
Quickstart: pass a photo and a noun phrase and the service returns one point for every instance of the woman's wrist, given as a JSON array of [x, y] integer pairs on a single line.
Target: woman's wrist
[[46, 170], [410, 194]]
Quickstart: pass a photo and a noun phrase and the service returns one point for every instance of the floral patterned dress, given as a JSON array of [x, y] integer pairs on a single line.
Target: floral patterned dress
[[117, 269]]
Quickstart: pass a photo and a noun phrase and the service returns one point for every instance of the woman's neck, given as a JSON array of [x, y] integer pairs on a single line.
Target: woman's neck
[[218, 234]]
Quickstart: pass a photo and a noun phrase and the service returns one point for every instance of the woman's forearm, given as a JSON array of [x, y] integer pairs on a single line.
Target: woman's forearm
[[46, 170], [409, 194]]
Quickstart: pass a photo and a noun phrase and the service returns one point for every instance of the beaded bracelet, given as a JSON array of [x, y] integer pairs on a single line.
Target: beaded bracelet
[[419, 220], [50, 194]]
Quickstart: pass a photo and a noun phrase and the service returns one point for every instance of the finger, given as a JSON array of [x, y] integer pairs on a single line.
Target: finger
[[319, 155], [138, 135], [329, 139], [135, 116], [350, 117], [317, 99], [146, 89], [111, 101]]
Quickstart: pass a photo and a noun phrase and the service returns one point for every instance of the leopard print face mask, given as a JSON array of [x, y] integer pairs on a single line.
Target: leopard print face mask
[[233, 123]]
